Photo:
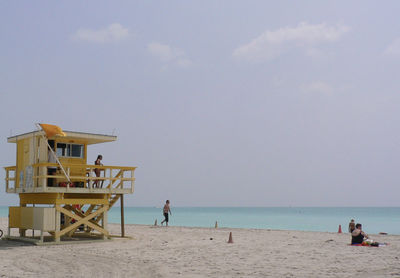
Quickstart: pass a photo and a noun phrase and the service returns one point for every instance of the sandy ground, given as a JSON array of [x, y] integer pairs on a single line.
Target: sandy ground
[[204, 252]]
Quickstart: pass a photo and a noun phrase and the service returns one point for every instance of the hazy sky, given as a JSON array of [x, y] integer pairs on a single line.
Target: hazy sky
[[218, 103]]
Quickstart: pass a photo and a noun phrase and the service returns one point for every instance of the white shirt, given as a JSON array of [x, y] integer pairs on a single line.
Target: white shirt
[[52, 158]]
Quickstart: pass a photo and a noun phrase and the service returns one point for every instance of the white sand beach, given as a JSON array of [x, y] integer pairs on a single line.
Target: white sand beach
[[204, 252]]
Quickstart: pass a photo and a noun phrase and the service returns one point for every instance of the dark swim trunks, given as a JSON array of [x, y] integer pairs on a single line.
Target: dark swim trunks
[[166, 216]]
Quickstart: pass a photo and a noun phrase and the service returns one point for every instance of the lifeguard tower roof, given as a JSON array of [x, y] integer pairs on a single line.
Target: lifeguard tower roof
[[83, 137]]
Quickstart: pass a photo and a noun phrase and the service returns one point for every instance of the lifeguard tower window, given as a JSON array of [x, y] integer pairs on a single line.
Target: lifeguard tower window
[[69, 150]]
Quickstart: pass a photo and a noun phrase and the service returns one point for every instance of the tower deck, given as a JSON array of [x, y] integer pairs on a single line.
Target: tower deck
[[113, 179]]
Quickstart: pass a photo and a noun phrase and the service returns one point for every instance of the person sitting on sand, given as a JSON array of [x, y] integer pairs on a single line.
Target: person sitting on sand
[[357, 236], [166, 209], [352, 226]]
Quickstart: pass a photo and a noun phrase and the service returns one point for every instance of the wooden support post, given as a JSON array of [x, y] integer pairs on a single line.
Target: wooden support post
[[104, 221], [58, 223], [122, 217], [22, 232], [33, 230]]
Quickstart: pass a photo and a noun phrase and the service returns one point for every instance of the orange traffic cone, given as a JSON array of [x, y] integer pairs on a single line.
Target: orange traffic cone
[[230, 238], [340, 229]]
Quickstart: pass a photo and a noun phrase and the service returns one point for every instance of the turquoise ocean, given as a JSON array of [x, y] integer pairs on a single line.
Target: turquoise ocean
[[324, 219]]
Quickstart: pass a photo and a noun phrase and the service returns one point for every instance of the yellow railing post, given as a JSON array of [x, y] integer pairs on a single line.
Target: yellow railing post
[[7, 176], [44, 170], [132, 175], [68, 173]]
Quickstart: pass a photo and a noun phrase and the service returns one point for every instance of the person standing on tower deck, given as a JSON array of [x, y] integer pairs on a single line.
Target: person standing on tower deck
[[166, 209], [97, 171]]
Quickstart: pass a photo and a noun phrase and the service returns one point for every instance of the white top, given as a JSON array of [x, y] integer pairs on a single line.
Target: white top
[[52, 158]]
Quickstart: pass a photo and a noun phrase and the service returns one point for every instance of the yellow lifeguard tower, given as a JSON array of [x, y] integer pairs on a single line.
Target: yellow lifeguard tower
[[64, 196]]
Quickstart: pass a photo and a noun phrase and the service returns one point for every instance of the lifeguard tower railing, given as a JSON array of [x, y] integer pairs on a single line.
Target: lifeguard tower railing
[[35, 179]]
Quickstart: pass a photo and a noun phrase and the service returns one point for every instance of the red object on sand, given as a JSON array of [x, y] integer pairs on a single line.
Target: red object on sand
[[340, 229]]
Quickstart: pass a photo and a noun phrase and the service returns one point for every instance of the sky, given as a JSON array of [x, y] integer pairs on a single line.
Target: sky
[[218, 103]]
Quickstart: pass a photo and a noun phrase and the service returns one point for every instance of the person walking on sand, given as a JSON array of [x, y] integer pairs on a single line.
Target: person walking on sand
[[166, 209]]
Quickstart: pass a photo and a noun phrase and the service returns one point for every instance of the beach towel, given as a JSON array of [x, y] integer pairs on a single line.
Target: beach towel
[[366, 245]]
